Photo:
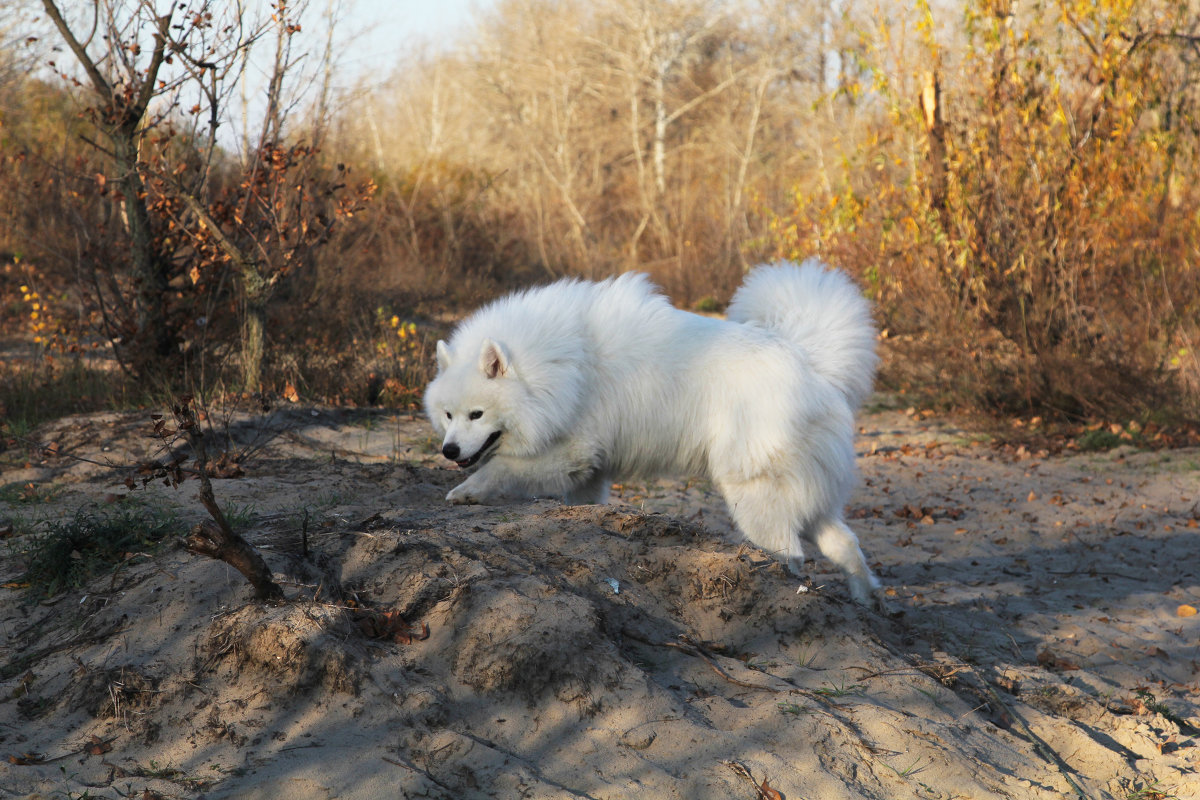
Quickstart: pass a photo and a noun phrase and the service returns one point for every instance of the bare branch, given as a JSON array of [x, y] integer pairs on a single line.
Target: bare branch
[[147, 91], [99, 83]]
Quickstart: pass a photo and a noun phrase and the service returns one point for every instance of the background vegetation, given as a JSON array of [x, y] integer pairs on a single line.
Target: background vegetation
[[1014, 184]]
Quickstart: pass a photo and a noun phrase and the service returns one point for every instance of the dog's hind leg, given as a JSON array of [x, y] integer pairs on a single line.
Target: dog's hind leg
[[761, 509], [764, 516], [838, 543]]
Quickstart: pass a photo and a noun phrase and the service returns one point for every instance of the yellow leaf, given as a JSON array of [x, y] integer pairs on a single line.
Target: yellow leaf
[[1185, 611]]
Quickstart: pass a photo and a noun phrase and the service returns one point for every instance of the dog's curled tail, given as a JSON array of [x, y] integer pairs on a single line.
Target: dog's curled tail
[[822, 312]]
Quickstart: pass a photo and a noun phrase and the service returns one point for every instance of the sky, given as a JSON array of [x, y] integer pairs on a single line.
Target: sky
[[375, 35], [379, 31]]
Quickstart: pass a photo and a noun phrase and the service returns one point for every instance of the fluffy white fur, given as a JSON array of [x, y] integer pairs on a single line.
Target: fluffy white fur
[[563, 389]]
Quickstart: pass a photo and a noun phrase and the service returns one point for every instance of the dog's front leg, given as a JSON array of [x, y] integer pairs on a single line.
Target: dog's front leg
[[557, 473], [489, 483]]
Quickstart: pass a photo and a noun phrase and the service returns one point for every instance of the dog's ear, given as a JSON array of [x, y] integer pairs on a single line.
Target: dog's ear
[[493, 361], [443, 356]]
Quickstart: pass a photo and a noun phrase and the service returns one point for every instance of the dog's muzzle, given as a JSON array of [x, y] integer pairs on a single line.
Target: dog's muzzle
[[451, 451]]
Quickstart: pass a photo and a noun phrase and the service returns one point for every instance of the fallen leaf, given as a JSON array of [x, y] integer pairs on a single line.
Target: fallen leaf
[[1051, 660], [96, 746], [26, 759], [765, 792], [390, 625], [1185, 611]]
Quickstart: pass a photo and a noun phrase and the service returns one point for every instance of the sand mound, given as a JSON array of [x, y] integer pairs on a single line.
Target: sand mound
[[1032, 647]]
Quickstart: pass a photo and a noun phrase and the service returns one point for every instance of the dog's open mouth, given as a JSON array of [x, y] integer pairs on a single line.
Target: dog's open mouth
[[472, 460]]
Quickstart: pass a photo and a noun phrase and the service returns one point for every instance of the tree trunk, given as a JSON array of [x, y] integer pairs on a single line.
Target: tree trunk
[[256, 290], [254, 341], [935, 130], [154, 351], [659, 158]]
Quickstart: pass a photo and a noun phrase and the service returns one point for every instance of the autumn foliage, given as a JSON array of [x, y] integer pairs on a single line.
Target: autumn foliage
[[1012, 184], [1022, 210]]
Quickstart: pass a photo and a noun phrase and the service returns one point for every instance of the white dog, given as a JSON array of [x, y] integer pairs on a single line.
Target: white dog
[[563, 389]]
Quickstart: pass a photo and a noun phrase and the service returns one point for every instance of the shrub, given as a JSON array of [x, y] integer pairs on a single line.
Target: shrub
[[1026, 229]]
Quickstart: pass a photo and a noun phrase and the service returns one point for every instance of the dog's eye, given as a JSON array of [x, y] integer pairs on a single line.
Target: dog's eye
[[449, 415], [475, 415]]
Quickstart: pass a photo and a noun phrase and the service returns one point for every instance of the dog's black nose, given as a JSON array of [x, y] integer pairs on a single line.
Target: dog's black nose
[[450, 451]]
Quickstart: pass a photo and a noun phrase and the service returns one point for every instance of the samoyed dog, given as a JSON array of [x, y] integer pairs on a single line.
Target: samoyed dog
[[563, 389]]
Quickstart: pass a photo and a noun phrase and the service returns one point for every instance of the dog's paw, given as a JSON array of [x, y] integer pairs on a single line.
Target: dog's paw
[[462, 495], [867, 592]]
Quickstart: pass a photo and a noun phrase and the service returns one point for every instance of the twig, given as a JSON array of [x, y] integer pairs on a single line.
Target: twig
[[216, 538], [693, 649]]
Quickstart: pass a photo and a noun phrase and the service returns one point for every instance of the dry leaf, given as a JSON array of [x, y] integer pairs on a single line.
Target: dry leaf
[[390, 625], [1051, 660], [96, 746], [765, 792], [26, 759], [1185, 611]]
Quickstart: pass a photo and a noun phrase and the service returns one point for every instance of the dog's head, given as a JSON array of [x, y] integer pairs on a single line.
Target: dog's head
[[469, 401]]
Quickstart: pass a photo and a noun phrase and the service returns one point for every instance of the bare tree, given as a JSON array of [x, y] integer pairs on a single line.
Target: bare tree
[[123, 87], [647, 134], [161, 87]]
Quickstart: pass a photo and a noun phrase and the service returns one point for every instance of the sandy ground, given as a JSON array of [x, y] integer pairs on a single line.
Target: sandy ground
[[1035, 643]]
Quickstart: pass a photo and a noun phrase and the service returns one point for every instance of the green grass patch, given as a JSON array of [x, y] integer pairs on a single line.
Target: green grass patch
[[841, 689], [1098, 440], [240, 517], [795, 709], [1151, 791], [91, 543]]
